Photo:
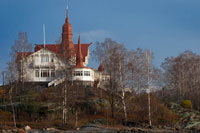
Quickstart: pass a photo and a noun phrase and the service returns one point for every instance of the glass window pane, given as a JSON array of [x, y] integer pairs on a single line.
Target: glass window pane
[[36, 73], [86, 73], [52, 73], [44, 58], [44, 73]]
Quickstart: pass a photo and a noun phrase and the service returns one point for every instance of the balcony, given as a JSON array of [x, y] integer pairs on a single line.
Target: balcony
[[44, 64]]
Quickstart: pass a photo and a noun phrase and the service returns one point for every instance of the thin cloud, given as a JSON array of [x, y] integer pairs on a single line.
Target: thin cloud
[[95, 35]]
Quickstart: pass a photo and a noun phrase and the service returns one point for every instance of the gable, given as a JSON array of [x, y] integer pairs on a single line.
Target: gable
[[55, 48], [52, 47]]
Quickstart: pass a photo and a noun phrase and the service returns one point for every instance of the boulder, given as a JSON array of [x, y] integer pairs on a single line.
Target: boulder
[[26, 128], [134, 129], [14, 130], [21, 131], [3, 131], [50, 129], [9, 131]]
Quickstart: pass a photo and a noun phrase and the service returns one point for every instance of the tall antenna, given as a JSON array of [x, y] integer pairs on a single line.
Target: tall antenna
[[44, 34]]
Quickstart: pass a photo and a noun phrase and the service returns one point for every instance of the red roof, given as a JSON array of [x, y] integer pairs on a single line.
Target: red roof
[[84, 49], [52, 47], [21, 54], [79, 55], [55, 48], [101, 69]]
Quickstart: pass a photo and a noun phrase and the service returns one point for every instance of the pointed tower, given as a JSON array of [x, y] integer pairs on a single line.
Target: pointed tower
[[67, 44], [101, 69], [79, 56]]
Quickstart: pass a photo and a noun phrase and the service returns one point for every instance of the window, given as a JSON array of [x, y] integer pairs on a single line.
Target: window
[[37, 73], [52, 57], [105, 78], [78, 73], [44, 58], [52, 73], [44, 73], [86, 73]]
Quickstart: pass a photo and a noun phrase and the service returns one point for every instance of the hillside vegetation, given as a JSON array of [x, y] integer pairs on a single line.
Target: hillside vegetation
[[43, 108]]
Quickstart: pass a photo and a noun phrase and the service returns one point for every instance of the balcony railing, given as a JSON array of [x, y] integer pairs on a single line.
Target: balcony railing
[[44, 64]]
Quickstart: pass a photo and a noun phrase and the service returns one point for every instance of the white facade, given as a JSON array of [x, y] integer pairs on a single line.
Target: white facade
[[83, 74], [41, 66], [45, 66]]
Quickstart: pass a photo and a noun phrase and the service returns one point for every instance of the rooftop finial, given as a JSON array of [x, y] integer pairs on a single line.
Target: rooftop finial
[[67, 11], [79, 39]]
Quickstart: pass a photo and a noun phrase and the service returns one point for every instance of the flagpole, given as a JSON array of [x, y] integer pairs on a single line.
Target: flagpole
[[44, 34]]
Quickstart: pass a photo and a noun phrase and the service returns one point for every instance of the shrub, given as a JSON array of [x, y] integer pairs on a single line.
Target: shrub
[[57, 122], [102, 104], [5, 116], [186, 104], [138, 111]]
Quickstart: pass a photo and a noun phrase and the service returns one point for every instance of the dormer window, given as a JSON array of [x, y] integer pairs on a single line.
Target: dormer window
[[44, 58]]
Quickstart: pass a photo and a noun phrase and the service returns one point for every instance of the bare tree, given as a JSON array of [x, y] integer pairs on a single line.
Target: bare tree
[[182, 77], [148, 61], [123, 78], [11, 102], [64, 73], [11, 81], [3, 77], [19, 51], [113, 55], [105, 53]]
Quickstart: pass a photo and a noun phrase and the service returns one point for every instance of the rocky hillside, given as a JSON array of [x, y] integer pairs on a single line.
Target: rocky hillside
[[189, 119]]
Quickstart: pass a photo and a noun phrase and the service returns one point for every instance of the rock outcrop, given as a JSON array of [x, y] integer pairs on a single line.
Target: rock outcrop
[[189, 119]]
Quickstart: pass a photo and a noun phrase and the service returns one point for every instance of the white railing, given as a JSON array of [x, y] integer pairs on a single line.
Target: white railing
[[56, 82]]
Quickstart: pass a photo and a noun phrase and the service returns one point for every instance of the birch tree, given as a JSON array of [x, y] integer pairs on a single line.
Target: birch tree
[[11, 81], [148, 61], [113, 55], [19, 51], [122, 69], [105, 53], [182, 77]]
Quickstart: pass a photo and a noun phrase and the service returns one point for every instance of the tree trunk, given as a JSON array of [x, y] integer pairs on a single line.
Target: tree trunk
[[124, 106], [149, 103], [123, 93], [76, 123], [64, 117], [11, 102]]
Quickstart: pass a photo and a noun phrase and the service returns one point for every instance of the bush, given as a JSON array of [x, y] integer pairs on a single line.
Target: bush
[[102, 103], [5, 116], [57, 122], [138, 111], [186, 104]]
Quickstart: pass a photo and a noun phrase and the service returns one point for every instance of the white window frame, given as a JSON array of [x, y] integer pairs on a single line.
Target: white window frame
[[86, 73]]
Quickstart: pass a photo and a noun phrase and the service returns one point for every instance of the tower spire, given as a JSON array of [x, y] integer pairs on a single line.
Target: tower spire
[[67, 42], [79, 56], [67, 15], [67, 11]]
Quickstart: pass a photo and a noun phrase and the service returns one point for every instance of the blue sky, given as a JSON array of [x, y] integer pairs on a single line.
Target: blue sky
[[166, 27]]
